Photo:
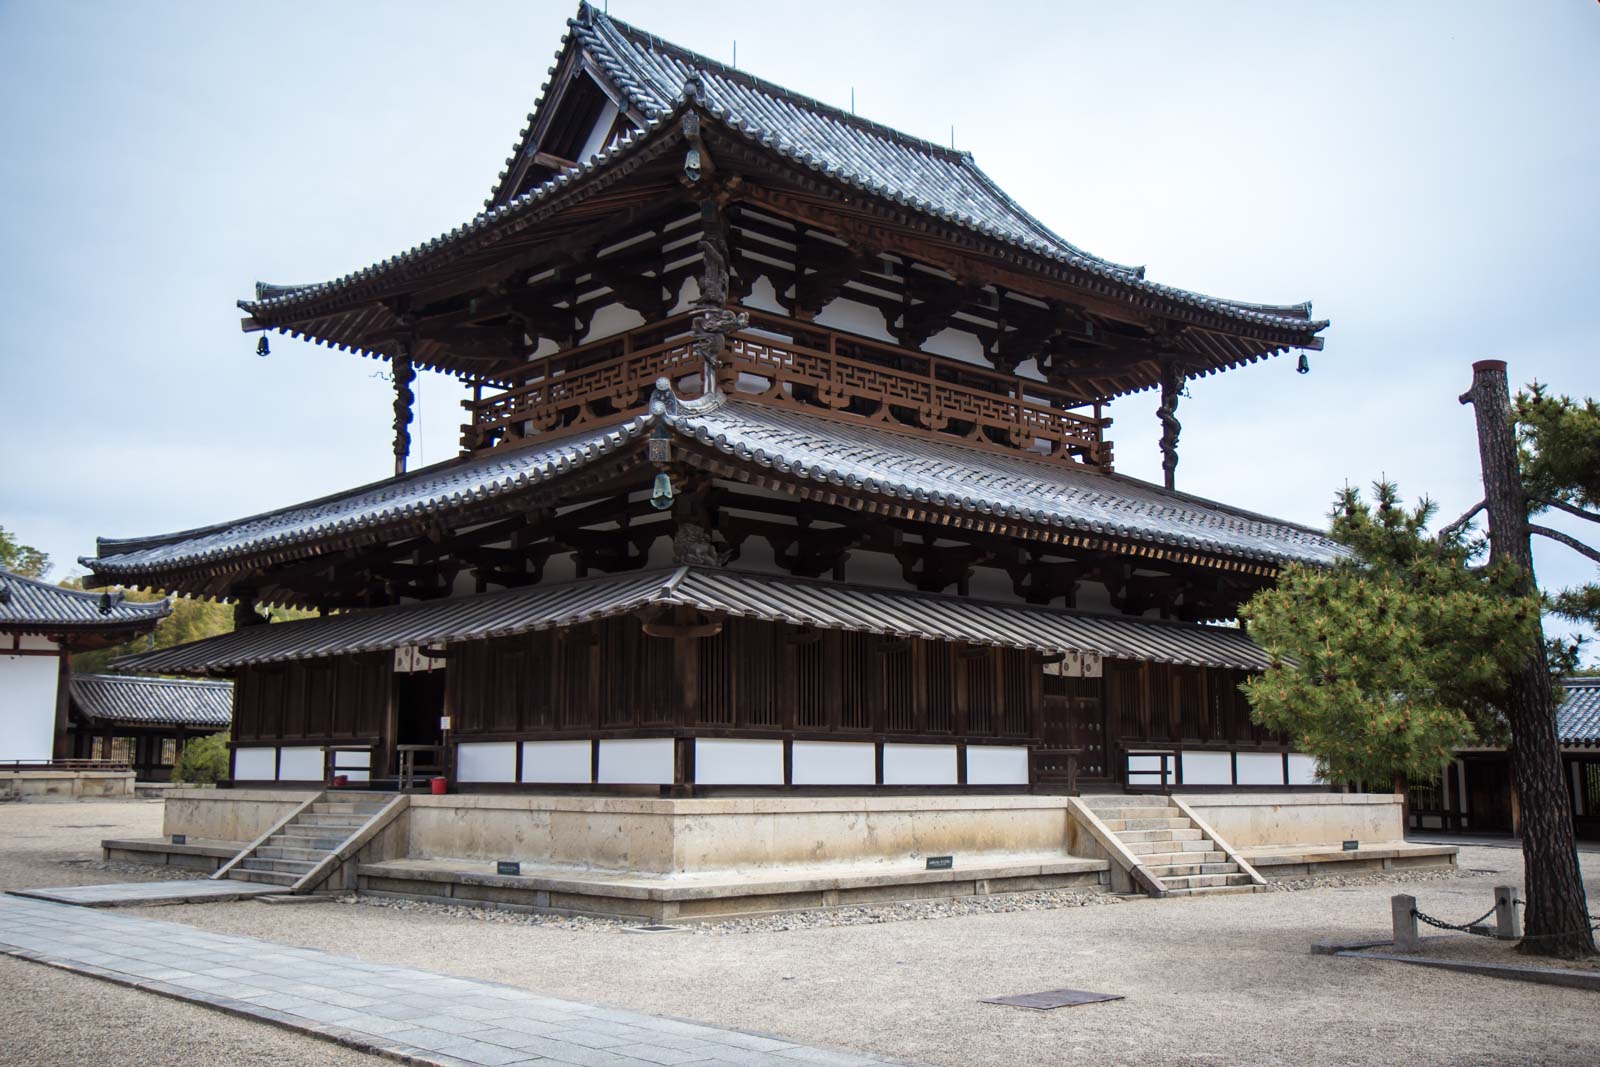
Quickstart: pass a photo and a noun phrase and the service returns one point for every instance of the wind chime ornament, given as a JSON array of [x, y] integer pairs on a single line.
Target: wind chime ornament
[[1304, 366], [262, 348]]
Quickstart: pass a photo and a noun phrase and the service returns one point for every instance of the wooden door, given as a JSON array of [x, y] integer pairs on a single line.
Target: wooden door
[[1489, 795], [1074, 717]]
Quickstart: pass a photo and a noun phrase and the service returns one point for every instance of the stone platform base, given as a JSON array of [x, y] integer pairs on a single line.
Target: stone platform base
[[720, 894], [66, 785], [1278, 862]]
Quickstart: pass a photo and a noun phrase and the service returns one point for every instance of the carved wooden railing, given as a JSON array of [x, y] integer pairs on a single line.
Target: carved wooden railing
[[798, 365]]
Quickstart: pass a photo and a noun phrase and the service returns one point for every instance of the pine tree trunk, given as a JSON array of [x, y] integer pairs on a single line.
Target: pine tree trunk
[[1557, 912]]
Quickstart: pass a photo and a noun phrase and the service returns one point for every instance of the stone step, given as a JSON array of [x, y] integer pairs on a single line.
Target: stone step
[[294, 867], [1116, 826], [334, 807], [318, 844], [1123, 800], [287, 852], [245, 874], [1203, 881], [1149, 848], [1166, 859], [316, 819], [1191, 834], [1214, 890], [1109, 814], [1173, 870]]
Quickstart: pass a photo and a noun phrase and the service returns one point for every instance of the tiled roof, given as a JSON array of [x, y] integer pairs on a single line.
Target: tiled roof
[[805, 448], [820, 604], [155, 701], [1578, 717], [922, 176], [31, 606]]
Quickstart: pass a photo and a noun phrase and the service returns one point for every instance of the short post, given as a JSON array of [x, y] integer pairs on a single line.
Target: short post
[[1406, 938], [1508, 911]]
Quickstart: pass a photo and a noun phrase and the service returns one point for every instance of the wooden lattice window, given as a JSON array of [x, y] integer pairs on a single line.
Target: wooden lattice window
[[810, 683], [941, 680], [859, 673]]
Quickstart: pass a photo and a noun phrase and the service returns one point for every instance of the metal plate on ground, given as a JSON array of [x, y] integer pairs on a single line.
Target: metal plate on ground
[[1053, 998]]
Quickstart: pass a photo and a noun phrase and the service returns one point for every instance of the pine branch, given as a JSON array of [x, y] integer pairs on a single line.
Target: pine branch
[[1571, 542], [1561, 505], [1456, 526]]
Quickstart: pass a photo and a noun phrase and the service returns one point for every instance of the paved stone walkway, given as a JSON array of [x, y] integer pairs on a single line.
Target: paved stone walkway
[[133, 894], [406, 1014]]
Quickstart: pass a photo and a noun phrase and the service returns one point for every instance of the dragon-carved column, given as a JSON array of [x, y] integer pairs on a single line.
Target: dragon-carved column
[[404, 375], [1172, 377]]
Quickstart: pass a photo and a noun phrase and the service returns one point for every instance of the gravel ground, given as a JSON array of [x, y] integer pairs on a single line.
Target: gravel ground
[[911, 910], [1224, 979]]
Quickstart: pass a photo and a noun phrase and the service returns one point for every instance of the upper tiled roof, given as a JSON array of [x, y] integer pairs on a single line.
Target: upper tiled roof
[[807, 448], [916, 469], [660, 80], [155, 701], [1578, 717], [31, 606]]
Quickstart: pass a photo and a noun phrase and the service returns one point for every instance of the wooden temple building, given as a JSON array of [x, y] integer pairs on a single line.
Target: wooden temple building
[[786, 466], [143, 721]]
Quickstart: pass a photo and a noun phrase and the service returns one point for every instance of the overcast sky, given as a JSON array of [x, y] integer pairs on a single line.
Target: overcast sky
[[1424, 173]]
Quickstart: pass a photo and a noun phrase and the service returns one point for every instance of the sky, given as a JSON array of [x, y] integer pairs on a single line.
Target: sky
[[1423, 172]]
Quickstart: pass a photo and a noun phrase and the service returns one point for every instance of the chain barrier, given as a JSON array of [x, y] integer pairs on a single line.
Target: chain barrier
[[1474, 928]]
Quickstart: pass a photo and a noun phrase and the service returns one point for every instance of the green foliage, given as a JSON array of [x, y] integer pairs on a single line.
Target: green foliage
[[204, 760], [22, 559], [1558, 442], [1386, 662]]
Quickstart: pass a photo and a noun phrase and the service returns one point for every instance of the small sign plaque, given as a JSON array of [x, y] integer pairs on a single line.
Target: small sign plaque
[[507, 867], [1351, 846], [941, 863], [180, 839], [444, 722]]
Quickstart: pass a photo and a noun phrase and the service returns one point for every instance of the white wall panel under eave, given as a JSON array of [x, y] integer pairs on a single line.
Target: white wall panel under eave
[[28, 706], [639, 761], [996, 765], [255, 764], [487, 761], [1260, 768], [1303, 769], [557, 762], [730, 762], [1207, 768], [300, 764], [834, 763], [919, 764]]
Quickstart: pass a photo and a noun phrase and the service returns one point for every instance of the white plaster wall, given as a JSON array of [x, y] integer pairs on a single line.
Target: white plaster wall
[[597, 136], [36, 643], [857, 318], [1303, 769], [956, 344], [1207, 768], [641, 761], [919, 765], [720, 761], [255, 764], [1260, 768], [28, 706], [997, 765], [834, 763], [558, 762], [763, 297], [300, 764], [609, 320], [493, 761]]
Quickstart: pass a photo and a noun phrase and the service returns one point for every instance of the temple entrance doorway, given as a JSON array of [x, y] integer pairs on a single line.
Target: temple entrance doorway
[[1074, 718]]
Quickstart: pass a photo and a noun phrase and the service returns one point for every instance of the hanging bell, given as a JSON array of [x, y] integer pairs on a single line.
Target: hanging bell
[[1304, 366], [661, 494], [262, 348]]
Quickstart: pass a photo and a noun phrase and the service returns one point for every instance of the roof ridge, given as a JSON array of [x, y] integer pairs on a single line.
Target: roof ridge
[[211, 683], [600, 18]]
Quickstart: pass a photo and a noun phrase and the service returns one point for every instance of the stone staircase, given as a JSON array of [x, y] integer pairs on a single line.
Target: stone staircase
[[293, 850], [1170, 847]]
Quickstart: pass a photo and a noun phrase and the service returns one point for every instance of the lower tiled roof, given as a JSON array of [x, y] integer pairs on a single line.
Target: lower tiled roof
[[817, 604], [31, 606], [153, 701], [806, 448], [1578, 717]]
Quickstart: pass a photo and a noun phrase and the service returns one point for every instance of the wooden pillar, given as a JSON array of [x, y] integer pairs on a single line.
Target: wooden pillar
[[1171, 389], [61, 745], [404, 375]]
